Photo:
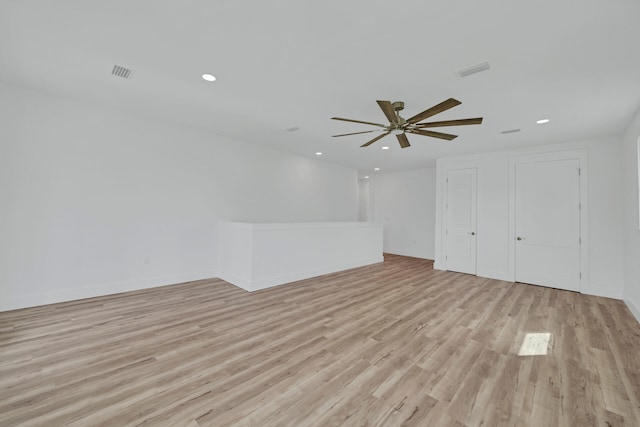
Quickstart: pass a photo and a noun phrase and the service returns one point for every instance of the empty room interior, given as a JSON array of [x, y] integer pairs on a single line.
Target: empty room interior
[[319, 213]]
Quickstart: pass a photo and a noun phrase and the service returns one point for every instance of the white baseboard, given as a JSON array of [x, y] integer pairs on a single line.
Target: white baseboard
[[498, 275], [633, 309], [602, 292], [235, 280], [489, 274], [413, 254], [15, 302], [269, 282]]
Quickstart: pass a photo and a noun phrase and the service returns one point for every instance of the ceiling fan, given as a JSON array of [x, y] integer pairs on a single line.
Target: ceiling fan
[[400, 126]]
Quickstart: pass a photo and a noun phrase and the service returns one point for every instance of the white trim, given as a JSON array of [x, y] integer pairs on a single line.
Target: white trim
[[638, 174], [495, 274], [283, 279], [15, 302], [633, 309], [438, 261], [297, 225], [581, 156], [603, 292], [234, 279], [409, 253]]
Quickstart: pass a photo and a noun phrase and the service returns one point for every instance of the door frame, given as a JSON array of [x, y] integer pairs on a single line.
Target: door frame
[[581, 156]]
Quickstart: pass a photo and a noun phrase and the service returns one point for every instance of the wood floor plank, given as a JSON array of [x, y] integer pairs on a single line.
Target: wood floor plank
[[392, 344]]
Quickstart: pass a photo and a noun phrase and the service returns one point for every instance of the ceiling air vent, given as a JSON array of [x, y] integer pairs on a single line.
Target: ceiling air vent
[[474, 69], [123, 72], [510, 131]]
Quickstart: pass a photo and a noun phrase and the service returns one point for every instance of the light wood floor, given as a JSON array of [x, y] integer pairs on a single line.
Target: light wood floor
[[394, 344]]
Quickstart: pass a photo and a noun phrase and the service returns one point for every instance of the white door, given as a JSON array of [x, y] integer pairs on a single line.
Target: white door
[[547, 206], [461, 221]]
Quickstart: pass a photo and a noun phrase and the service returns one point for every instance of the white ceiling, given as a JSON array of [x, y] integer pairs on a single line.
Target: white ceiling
[[286, 63]]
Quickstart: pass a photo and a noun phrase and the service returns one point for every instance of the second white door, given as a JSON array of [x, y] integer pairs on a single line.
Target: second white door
[[547, 209]]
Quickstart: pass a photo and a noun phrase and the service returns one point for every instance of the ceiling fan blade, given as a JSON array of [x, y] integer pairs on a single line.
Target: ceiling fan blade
[[402, 139], [366, 144], [460, 122], [433, 134], [358, 121], [355, 133], [443, 106], [388, 111]]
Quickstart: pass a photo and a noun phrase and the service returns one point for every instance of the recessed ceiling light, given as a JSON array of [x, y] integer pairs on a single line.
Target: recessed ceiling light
[[542, 121], [366, 177], [385, 148], [376, 169], [318, 153], [209, 77], [477, 68]]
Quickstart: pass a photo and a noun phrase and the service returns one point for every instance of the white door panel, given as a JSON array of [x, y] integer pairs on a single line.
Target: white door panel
[[461, 221], [548, 223]]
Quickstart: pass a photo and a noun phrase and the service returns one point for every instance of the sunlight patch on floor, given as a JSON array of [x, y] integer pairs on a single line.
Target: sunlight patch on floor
[[535, 344]]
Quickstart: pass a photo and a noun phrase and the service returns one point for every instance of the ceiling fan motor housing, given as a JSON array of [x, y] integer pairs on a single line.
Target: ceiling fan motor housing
[[398, 105]]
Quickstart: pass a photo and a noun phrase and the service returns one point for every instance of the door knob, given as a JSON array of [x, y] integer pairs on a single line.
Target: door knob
[[519, 238], [473, 233]]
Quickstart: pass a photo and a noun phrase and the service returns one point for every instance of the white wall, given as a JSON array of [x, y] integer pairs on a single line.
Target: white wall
[[631, 231], [259, 256], [405, 203], [95, 201], [364, 200], [605, 257]]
